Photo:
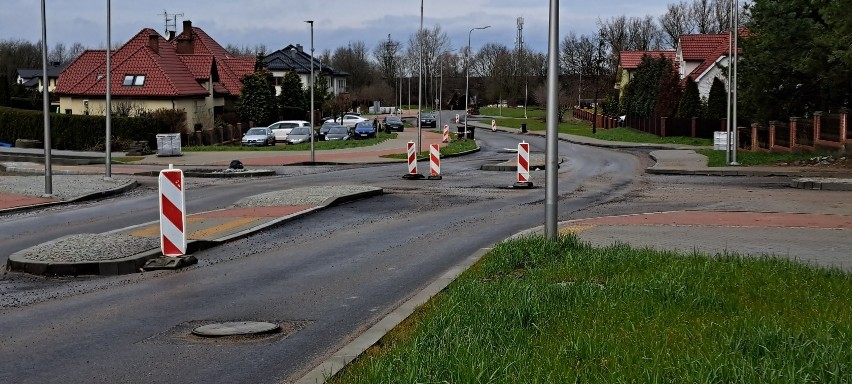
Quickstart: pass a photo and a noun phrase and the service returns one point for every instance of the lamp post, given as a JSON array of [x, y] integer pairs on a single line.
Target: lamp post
[[48, 173], [467, 76], [311, 22], [420, 83], [107, 142]]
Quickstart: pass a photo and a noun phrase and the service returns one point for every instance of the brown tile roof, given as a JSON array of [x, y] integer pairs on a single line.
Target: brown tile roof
[[201, 66], [631, 59], [699, 47]]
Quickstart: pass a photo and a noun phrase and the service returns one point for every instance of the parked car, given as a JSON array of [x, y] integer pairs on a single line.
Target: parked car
[[338, 132], [259, 136], [428, 120], [350, 120], [282, 128], [299, 135], [325, 127], [393, 123], [365, 130]]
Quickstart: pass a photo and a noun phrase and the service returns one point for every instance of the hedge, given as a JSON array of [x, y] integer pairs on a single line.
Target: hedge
[[77, 132]]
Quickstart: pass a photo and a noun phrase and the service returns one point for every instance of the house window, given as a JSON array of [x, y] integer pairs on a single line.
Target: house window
[[134, 80]]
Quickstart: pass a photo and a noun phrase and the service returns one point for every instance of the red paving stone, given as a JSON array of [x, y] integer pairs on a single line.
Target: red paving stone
[[727, 219], [10, 200]]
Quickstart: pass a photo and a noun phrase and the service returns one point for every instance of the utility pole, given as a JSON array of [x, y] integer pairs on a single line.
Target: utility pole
[[521, 62]]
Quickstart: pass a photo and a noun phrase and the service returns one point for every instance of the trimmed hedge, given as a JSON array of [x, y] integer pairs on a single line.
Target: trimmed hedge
[[77, 132]]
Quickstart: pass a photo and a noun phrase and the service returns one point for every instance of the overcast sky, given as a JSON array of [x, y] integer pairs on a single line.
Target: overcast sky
[[278, 23]]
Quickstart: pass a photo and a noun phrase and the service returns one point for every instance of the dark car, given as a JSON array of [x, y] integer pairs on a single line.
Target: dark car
[[365, 130], [428, 120], [325, 127], [393, 123], [338, 132]]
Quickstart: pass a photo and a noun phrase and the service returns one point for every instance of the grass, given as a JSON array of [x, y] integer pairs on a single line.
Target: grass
[[453, 147], [541, 311], [717, 158], [613, 134], [513, 112], [319, 145]]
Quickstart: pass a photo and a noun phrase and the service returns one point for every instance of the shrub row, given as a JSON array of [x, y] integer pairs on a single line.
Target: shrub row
[[77, 132]]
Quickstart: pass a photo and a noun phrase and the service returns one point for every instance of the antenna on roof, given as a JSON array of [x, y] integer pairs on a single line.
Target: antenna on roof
[[171, 21]]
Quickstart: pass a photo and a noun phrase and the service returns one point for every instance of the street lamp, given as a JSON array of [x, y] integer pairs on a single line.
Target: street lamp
[[420, 83], [311, 22], [467, 76]]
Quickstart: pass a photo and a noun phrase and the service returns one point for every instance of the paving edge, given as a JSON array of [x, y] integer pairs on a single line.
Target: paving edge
[[371, 336], [131, 184], [133, 263]]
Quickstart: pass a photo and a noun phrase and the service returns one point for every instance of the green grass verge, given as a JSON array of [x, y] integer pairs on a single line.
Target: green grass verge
[[717, 158], [513, 112], [319, 145], [541, 311], [613, 134], [452, 148]]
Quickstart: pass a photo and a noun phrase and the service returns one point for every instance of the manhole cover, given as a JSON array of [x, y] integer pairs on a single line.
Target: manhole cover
[[235, 328]]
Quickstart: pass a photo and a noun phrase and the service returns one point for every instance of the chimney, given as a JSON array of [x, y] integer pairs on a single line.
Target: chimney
[[171, 35], [185, 44], [154, 43], [299, 48]]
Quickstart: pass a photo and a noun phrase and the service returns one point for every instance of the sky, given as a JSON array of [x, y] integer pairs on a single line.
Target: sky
[[278, 23]]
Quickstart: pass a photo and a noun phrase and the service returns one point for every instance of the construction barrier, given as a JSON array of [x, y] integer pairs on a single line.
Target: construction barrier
[[457, 118], [412, 158], [523, 162], [172, 212], [493, 125], [446, 133], [434, 162]]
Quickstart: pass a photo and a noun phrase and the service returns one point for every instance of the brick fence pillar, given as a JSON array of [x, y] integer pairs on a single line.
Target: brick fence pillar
[[663, 126], [771, 135], [692, 127], [793, 128], [844, 126], [817, 125]]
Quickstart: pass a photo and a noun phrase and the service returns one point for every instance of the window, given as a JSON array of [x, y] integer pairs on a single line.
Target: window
[[134, 80]]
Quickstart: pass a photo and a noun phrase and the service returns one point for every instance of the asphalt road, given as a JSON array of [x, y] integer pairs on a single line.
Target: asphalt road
[[325, 278]]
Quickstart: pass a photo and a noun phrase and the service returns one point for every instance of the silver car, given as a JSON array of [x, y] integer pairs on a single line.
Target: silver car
[[258, 136], [299, 135]]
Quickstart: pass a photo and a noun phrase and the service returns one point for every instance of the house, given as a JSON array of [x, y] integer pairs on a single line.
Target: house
[[703, 58], [32, 78], [294, 58], [189, 72], [628, 61]]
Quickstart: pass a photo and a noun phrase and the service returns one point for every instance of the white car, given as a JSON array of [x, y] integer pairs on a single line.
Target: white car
[[350, 120], [282, 128]]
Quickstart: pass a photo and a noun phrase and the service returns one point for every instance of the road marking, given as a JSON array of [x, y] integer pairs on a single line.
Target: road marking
[[227, 226]]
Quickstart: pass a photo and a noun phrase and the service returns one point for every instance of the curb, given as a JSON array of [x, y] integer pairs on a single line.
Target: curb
[[131, 184], [132, 264], [827, 184]]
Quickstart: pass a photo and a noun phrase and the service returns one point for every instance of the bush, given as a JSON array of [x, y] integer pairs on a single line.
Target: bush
[[77, 132]]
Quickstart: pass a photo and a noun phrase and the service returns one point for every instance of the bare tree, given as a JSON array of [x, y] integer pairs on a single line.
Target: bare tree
[[387, 54], [59, 54], [75, 51], [677, 21], [701, 12], [427, 44], [354, 59], [643, 34]]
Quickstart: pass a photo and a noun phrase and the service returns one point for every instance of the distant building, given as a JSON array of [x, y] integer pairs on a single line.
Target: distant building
[[32, 78], [294, 58]]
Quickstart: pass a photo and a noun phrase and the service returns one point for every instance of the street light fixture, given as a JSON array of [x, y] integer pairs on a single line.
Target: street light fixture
[[467, 76], [313, 158]]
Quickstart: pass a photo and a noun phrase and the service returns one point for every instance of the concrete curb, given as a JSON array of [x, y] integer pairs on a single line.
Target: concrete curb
[[356, 347], [824, 184], [131, 184], [133, 263]]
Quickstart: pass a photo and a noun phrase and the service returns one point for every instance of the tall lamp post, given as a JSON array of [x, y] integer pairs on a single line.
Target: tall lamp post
[[48, 173], [420, 83], [467, 76], [311, 22], [107, 142]]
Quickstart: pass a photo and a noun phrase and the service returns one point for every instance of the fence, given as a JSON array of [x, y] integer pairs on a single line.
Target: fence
[[822, 132]]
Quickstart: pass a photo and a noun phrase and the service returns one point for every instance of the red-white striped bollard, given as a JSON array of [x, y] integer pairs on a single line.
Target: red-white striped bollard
[[446, 133], [434, 162], [172, 212], [523, 180], [412, 163]]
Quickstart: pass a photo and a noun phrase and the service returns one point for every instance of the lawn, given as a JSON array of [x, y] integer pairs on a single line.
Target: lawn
[[560, 311], [452, 148], [513, 112], [717, 158], [613, 134]]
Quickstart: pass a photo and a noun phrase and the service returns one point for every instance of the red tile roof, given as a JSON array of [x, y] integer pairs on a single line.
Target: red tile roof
[[631, 59], [699, 47], [167, 73]]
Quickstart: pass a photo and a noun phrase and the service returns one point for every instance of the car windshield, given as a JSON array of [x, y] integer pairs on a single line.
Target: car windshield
[[301, 131], [256, 132], [392, 120], [428, 116], [338, 130], [288, 125], [364, 124]]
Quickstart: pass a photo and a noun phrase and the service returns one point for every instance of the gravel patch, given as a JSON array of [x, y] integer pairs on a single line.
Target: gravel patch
[[64, 187], [90, 247], [301, 196]]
